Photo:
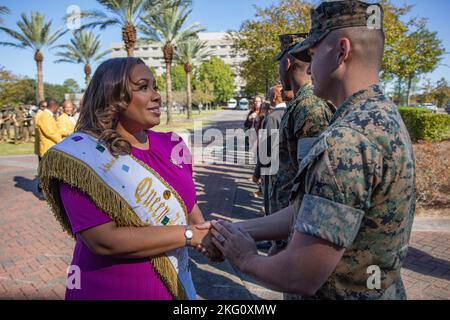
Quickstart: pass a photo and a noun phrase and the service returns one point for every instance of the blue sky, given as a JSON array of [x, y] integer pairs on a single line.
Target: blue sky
[[215, 15]]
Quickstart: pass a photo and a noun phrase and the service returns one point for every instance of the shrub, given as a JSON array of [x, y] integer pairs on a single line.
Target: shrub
[[424, 125], [433, 172]]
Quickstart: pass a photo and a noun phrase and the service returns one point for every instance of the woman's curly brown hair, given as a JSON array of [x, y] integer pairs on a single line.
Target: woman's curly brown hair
[[108, 94]]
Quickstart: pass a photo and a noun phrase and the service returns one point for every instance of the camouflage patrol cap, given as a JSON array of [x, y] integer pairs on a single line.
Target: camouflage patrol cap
[[288, 41], [333, 15]]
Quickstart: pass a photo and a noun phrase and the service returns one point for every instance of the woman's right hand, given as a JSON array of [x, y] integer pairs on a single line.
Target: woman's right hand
[[207, 247], [199, 236]]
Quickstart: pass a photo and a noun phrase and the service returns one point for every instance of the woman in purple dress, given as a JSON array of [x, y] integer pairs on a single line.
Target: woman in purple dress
[[121, 190]]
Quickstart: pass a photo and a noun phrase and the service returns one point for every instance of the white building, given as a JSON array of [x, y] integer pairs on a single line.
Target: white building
[[217, 42]]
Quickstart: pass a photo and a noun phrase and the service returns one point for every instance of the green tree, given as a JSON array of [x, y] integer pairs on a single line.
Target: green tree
[[122, 13], [220, 75], [35, 34], [165, 23], [71, 86], [178, 77], [258, 38], [421, 53], [395, 32], [55, 92], [189, 53], [84, 48], [28, 95], [160, 80], [442, 93], [203, 90], [427, 90], [11, 89], [3, 10]]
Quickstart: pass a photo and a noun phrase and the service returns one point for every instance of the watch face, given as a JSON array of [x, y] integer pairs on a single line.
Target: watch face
[[189, 234]]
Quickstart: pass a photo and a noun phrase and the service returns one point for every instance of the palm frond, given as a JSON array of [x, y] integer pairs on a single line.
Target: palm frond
[[118, 12], [165, 22], [101, 55], [191, 51], [23, 41], [10, 44], [3, 10], [33, 32], [84, 47]]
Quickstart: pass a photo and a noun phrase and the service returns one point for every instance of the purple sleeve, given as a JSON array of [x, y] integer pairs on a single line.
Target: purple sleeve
[[82, 212], [189, 163]]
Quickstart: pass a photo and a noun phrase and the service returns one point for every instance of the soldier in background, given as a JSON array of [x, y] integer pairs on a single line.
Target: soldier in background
[[354, 195], [18, 119], [305, 118], [1, 126], [28, 124], [6, 125]]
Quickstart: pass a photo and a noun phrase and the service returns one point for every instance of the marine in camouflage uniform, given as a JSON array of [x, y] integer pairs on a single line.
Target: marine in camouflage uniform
[[306, 116], [356, 185]]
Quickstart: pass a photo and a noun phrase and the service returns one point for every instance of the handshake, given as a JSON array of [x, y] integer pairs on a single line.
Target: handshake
[[218, 240], [204, 243]]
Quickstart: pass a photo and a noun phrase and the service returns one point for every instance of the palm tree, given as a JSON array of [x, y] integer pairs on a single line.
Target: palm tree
[[3, 10], [164, 23], [35, 34], [188, 53], [125, 13], [84, 48]]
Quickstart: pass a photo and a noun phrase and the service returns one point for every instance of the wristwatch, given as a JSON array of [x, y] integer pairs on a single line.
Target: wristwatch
[[189, 235]]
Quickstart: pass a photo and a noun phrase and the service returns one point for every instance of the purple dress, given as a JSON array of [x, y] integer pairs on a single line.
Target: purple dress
[[107, 278]]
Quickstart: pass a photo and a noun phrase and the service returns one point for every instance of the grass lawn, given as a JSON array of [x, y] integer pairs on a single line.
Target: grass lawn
[[10, 149], [180, 123]]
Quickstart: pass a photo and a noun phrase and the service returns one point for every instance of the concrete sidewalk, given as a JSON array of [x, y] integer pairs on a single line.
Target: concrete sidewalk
[[35, 253]]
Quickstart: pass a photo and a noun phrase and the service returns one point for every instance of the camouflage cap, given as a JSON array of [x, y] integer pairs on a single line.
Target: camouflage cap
[[333, 15], [288, 41]]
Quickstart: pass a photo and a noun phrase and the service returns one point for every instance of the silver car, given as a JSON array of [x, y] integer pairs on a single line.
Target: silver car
[[429, 106]]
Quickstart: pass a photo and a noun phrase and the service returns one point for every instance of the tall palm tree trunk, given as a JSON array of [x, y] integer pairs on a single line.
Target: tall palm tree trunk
[[189, 95], [169, 94], [129, 36], [87, 72], [39, 58], [168, 58]]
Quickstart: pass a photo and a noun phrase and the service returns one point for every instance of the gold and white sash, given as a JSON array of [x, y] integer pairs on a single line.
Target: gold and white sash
[[149, 196]]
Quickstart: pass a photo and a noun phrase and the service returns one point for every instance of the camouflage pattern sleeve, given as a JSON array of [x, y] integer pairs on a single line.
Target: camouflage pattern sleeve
[[342, 170], [312, 119]]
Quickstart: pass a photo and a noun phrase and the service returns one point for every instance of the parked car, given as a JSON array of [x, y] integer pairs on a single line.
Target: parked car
[[244, 104], [232, 104], [429, 106]]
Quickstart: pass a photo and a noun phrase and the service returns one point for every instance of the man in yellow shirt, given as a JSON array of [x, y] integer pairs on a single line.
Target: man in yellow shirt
[[47, 127], [42, 106], [66, 122]]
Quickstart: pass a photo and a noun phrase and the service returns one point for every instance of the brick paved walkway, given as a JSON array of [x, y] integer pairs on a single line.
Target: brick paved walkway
[[34, 254]]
